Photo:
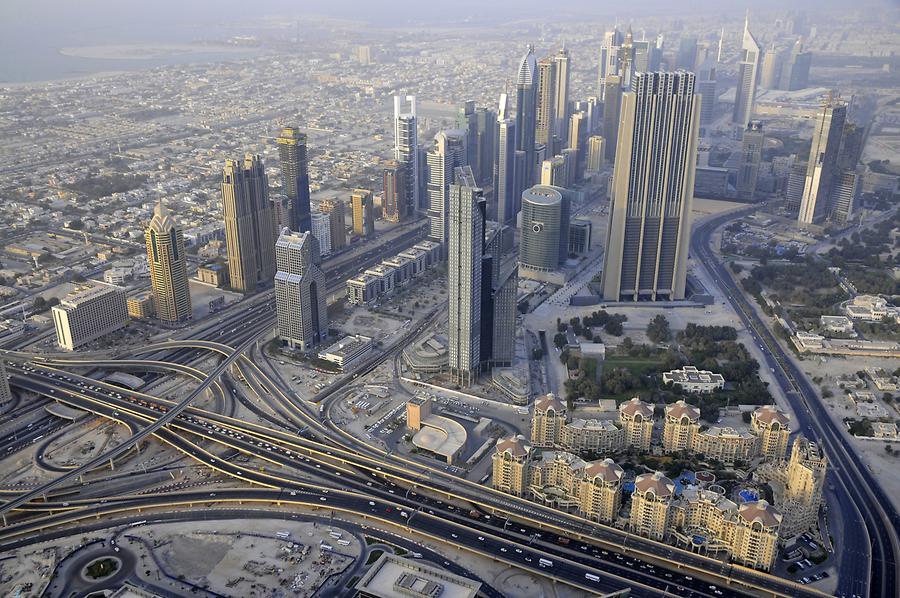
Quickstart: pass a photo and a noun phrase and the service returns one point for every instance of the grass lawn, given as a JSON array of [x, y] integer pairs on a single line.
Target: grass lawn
[[639, 366]]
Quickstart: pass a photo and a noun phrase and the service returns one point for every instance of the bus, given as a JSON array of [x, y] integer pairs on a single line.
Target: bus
[[591, 577], [545, 563], [344, 542]]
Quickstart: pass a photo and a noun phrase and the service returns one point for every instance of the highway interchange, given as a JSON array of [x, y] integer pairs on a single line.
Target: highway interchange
[[308, 463]]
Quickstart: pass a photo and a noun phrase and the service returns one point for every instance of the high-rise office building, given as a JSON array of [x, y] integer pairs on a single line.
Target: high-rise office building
[[578, 134], [466, 217], [793, 192], [168, 267], [526, 99], [505, 165], [483, 161], [321, 230], [482, 299], [282, 212], [686, 58], [795, 73], [554, 171], [88, 313], [751, 156], [609, 58], [706, 89], [449, 152], [300, 291], [770, 71], [595, 154], [393, 201], [545, 109], [650, 211], [466, 120], [292, 152], [561, 92], [363, 205], [843, 196], [544, 243], [745, 93], [337, 219], [248, 223], [612, 103], [822, 168], [406, 151]]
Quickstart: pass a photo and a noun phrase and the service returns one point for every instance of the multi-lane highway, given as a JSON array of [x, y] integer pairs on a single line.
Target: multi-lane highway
[[869, 549]]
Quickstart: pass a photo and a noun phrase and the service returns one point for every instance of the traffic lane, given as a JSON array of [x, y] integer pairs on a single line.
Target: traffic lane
[[877, 534]]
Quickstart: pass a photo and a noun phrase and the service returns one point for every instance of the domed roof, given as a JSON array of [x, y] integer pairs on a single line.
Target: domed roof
[[607, 470], [514, 445], [761, 511], [769, 414], [656, 482], [547, 402], [635, 406], [681, 409]]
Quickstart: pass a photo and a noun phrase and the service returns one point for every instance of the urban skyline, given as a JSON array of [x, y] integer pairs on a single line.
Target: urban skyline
[[555, 303]]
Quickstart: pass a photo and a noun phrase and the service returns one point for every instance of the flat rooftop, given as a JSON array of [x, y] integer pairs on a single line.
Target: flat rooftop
[[396, 577]]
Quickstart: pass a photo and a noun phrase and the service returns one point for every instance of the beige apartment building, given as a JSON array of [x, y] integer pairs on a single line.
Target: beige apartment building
[[636, 418], [804, 482], [725, 444], [597, 436], [773, 427], [651, 506], [755, 542], [681, 424], [547, 420], [511, 466]]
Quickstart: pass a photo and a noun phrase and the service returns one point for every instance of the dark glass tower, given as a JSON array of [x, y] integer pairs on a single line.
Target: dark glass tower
[[295, 176]]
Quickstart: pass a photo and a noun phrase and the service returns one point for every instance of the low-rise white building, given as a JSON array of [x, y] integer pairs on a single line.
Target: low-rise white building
[[691, 379], [347, 351]]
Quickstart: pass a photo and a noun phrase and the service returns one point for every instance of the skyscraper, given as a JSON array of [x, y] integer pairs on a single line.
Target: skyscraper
[[483, 161], [337, 219], [609, 58], [393, 201], [248, 223], [321, 230], [553, 172], [706, 89], [770, 71], [649, 223], [595, 159], [505, 165], [561, 95], [745, 93], [844, 194], [751, 156], [822, 168], [295, 174], [526, 93], [168, 267], [612, 102], [300, 291], [545, 229], [687, 54], [406, 151], [482, 300], [363, 212], [545, 111], [448, 153], [578, 134], [464, 277], [467, 121], [795, 73]]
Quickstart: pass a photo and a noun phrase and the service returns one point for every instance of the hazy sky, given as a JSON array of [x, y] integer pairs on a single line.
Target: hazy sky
[[98, 14]]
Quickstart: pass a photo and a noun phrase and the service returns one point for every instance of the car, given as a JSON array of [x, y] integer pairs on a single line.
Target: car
[[481, 538], [503, 550], [322, 498], [454, 535], [371, 503]]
